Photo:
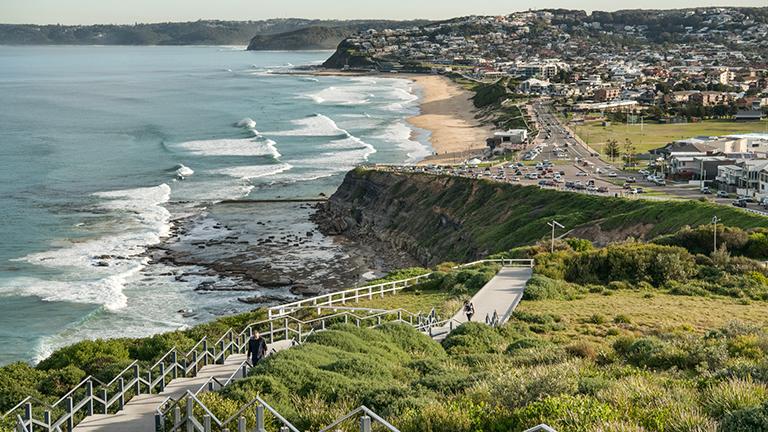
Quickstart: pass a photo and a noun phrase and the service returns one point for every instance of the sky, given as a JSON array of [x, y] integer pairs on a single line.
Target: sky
[[144, 11]]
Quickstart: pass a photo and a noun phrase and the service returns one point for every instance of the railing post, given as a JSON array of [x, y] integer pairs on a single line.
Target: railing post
[[370, 293], [159, 422], [207, 423], [176, 415], [149, 382], [365, 424], [106, 400], [300, 335], [121, 393], [285, 322], [28, 414], [271, 332], [284, 429], [194, 363], [190, 414], [161, 385], [175, 371], [46, 419], [241, 424], [222, 353], [70, 414], [260, 418], [137, 376], [205, 355], [343, 298], [89, 395], [399, 315]]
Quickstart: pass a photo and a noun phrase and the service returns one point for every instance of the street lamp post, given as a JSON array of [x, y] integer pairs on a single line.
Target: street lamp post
[[715, 221], [554, 224]]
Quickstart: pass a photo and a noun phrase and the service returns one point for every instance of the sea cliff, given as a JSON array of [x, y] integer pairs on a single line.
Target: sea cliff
[[438, 218]]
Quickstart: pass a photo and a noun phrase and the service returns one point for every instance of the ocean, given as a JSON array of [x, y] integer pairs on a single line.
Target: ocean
[[103, 148]]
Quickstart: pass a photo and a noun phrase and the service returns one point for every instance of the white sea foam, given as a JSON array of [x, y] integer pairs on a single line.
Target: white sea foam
[[97, 270], [346, 95], [246, 123], [315, 125], [252, 172], [401, 135], [232, 147], [184, 171]]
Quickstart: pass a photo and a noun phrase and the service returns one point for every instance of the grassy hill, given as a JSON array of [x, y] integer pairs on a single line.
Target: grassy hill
[[302, 39], [442, 218]]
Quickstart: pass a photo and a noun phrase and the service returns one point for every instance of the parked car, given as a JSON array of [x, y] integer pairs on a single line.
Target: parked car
[[631, 180], [722, 194], [603, 189], [705, 190], [612, 174], [740, 203]]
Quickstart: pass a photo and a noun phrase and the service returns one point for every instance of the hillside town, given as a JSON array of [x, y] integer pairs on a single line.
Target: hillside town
[[626, 67]]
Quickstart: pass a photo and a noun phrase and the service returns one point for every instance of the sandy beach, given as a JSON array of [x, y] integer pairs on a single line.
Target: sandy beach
[[448, 113]]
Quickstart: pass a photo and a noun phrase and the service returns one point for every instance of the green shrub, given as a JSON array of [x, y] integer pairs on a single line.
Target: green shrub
[[566, 412], [733, 395], [472, 338], [540, 287], [746, 420]]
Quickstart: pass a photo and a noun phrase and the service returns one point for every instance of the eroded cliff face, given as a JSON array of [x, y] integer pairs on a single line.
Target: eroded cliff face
[[441, 218], [400, 211]]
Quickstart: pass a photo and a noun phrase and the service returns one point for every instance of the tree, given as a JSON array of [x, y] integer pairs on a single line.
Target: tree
[[612, 149], [629, 152]]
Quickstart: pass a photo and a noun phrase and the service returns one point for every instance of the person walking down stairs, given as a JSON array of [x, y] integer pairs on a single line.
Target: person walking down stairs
[[257, 348]]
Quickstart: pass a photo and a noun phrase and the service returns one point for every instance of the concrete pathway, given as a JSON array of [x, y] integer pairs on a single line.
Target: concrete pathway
[[138, 415], [501, 294]]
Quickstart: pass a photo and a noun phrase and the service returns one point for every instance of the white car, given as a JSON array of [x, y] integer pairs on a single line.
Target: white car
[[613, 174], [582, 174]]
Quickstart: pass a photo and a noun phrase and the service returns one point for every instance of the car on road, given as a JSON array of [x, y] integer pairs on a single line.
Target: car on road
[[660, 182], [740, 203], [631, 180], [591, 189], [705, 190], [722, 194], [581, 174], [612, 175], [603, 189]]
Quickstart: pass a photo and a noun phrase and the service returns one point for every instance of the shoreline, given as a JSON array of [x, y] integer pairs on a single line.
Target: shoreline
[[447, 114]]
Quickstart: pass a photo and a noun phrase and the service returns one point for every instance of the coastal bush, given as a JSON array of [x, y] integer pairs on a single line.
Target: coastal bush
[[631, 263], [565, 412], [541, 287], [746, 420], [734, 395]]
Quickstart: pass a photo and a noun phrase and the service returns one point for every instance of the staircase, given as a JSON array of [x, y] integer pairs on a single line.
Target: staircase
[[150, 398]]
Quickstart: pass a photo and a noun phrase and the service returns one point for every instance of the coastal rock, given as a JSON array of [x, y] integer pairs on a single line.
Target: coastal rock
[[306, 290]]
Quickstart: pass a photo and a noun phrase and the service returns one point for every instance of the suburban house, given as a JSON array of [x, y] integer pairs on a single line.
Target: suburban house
[[606, 94], [728, 178], [763, 183]]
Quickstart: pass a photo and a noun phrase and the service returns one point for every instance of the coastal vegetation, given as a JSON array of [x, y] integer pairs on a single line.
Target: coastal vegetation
[[444, 218], [614, 348], [655, 332]]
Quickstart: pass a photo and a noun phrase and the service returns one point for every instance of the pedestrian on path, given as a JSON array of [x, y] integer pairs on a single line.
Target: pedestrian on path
[[469, 309], [257, 348]]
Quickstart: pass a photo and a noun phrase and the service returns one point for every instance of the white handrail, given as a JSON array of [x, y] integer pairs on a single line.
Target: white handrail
[[370, 290]]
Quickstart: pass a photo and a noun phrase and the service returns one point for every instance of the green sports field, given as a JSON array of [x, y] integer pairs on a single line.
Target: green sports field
[[651, 136]]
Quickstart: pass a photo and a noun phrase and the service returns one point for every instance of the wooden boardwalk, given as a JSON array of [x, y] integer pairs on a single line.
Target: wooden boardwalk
[[138, 415]]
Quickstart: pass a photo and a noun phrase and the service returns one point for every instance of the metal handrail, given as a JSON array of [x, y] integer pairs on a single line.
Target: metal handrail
[[218, 351], [363, 409]]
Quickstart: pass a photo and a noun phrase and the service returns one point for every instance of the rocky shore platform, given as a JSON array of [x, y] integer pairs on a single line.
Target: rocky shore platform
[[269, 253]]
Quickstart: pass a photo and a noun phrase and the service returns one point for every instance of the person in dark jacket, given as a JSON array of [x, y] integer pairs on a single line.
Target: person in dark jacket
[[469, 309], [257, 348]]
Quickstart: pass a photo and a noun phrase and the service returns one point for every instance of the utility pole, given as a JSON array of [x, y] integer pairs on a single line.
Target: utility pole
[[715, 221], [554, 224]]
